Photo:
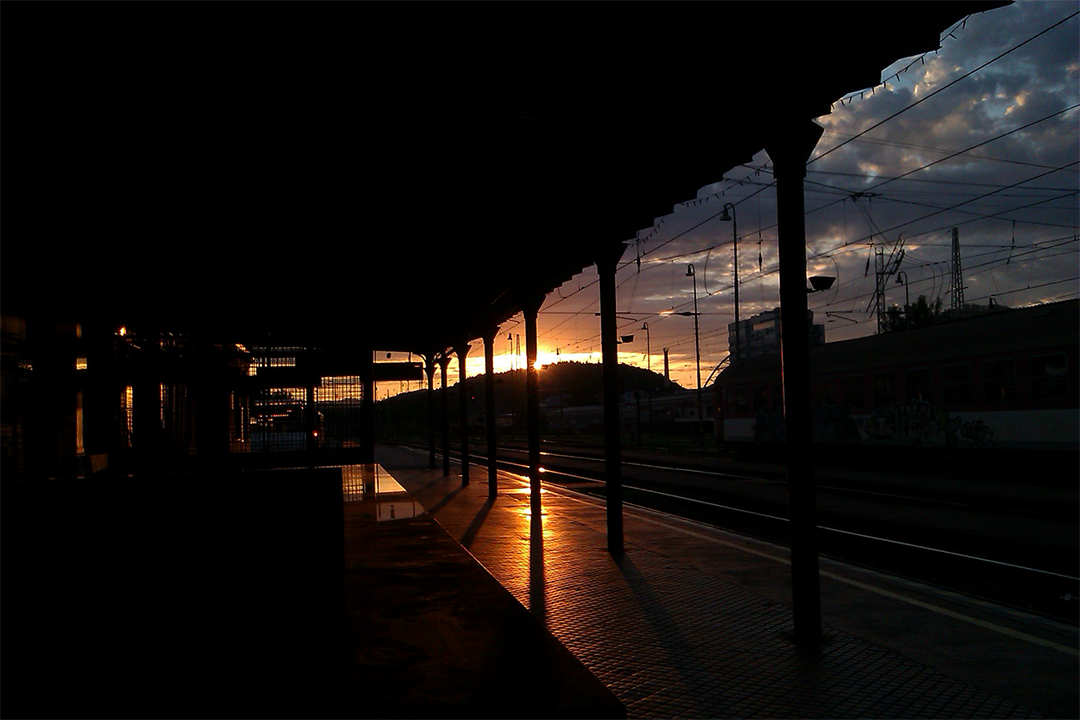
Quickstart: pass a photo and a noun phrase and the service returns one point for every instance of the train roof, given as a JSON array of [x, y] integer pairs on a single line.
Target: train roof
[[988, 333]]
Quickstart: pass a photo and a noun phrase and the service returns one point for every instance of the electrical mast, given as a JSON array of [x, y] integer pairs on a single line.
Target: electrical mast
[[957, 273], [883, 270]]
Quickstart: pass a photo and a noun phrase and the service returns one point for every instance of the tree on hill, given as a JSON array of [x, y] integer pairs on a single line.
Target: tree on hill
[[582, 383], [921, 313]]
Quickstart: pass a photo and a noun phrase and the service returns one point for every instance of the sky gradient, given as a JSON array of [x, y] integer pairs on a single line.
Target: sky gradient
[[981, 135]]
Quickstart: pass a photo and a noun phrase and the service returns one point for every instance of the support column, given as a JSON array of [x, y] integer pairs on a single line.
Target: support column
[[530, 309], [489, 410], [50, 422], [311, 424], [146, 431], [789, 150], [367, 408], [462, 351], [444, 360], [429, 368], [612, 444], [99, 401]]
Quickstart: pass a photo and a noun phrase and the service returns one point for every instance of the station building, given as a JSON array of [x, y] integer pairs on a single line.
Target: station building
[[206, 240]]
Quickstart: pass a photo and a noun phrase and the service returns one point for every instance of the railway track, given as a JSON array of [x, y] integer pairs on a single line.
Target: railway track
[[1022, 555]]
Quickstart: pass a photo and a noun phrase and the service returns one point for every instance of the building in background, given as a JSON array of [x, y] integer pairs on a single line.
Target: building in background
[[760, 334]]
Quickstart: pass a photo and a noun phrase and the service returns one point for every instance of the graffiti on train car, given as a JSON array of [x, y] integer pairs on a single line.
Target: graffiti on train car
[[911, 423], [976, 433], [921, 423], [915, 422]]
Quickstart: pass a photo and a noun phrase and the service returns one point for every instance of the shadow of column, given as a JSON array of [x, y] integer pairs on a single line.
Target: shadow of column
[[474, 527], [537, 605]]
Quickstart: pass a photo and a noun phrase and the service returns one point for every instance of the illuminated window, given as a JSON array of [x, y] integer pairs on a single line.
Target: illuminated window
[[80, 449], [127, 410]]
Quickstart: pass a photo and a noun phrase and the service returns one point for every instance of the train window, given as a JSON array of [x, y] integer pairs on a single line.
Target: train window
[[854, 391], [918, 384], [742, 401], [999, 380], [956, 383], [1049, 377], [761, 398], [884, 389], [826, 391]]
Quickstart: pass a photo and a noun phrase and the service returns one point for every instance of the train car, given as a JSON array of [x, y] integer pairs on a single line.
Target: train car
[[998, 379]]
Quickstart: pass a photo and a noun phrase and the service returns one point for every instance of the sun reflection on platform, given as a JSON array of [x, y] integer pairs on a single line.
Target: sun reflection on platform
[[372, 483]]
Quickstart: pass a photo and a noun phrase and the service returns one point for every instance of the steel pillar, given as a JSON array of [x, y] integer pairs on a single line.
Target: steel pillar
[[429, 368], [612, 444], [489, 410], [367, 408], [101, 392], [462, 351], [789, 149], [444, 360], [532, 401], [49, 410], [311, 420]]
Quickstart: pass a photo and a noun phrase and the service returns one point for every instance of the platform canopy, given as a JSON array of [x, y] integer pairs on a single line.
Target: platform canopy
[[390, 176]]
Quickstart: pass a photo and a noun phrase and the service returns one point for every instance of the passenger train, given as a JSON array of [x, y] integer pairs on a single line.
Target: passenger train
[[997, 379]]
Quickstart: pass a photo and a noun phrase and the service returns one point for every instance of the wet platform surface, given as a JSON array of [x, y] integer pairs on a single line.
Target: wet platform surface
[[430, 633], [696, 622]]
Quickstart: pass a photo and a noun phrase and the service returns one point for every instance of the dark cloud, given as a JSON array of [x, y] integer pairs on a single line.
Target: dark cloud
[[1017, 217]]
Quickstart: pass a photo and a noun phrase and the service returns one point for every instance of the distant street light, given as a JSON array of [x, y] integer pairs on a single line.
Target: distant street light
[[648, 347], [904, 282], [697, 352], [735, 242]]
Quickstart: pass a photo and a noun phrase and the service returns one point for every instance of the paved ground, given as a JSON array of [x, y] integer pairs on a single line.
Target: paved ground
[[430, 634], [696, 622]]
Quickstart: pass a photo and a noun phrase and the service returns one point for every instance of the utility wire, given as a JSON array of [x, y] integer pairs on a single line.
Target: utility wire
[[943, 88], [973, 147]]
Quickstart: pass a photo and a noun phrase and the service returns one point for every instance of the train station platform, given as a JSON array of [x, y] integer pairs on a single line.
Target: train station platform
[[694, 621]]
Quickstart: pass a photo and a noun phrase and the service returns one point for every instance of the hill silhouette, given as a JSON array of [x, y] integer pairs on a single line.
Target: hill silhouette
[[565, 384]]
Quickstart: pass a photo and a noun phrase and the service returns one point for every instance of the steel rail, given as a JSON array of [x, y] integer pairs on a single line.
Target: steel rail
[[940, 551]]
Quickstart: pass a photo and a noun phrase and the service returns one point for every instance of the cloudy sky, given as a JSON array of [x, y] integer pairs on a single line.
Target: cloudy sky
[[981, 136]]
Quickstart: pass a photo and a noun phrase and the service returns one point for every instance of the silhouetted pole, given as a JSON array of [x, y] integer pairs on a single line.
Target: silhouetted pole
[[429, 368], [609, 342], [444, 360], [367, 408], [462, 351], [789, 149], [99, 400], [50, 422], [312, 419], [213, 419], [648, 366], [532, 401], [697, 354], [489, 410], [735, 265]]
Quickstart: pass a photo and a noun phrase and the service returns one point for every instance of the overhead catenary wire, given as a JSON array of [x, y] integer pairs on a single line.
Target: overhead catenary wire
[[945, 87], [650, 254]]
